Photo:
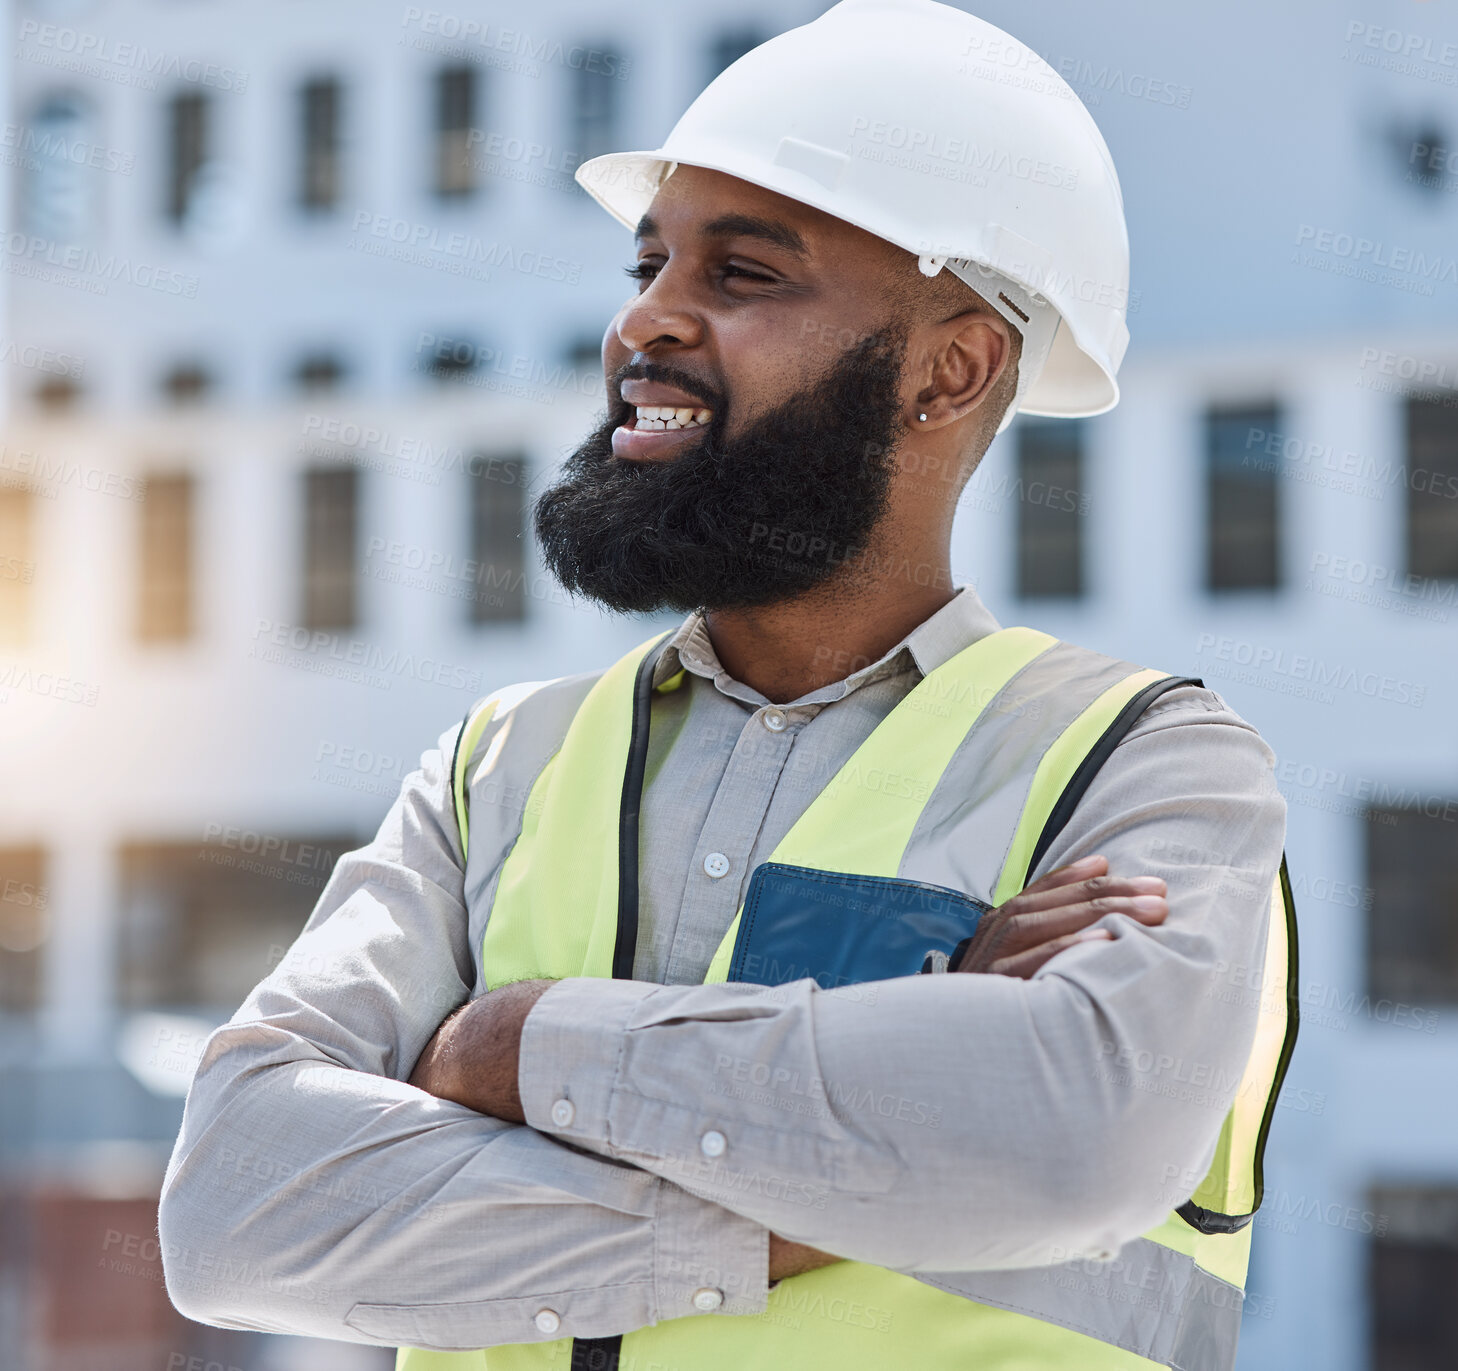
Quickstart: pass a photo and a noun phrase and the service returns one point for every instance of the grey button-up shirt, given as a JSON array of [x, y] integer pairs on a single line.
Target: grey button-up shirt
[[938, 1123]]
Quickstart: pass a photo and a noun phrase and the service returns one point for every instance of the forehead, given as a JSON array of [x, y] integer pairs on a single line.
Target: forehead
[[695, 202]]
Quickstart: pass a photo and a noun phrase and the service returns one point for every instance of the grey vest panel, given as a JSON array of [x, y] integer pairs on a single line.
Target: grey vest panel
[[963, 835]]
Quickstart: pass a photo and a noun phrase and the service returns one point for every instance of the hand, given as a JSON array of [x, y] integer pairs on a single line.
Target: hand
[[788, 1258], [1055, 912], [472, 1059]]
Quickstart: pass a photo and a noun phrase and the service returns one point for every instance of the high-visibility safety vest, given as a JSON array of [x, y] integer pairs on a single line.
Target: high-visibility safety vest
[[1012, 728]]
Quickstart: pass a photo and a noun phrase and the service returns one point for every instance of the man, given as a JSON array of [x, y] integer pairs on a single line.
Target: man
[[501, 1104]]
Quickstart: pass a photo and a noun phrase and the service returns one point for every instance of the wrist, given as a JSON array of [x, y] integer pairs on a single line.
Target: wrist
[[478, 1064], [787, 1258], [515, 1003]]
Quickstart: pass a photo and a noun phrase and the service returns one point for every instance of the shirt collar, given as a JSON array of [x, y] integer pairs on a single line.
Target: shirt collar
[[961, 621]]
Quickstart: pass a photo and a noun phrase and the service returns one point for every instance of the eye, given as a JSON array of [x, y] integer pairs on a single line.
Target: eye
[[646, 271], [732, 270]]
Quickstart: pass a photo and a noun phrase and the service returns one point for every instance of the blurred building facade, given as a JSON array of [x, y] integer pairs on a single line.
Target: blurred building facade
[[302, 305]]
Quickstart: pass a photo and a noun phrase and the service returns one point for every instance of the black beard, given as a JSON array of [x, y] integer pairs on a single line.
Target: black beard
[[731, 524]]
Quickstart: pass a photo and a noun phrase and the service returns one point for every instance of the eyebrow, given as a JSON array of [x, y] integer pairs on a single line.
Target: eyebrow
[[740, 226]]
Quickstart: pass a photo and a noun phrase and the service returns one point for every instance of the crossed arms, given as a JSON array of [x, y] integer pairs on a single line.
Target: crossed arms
[[315, 1190], [474, 1057]]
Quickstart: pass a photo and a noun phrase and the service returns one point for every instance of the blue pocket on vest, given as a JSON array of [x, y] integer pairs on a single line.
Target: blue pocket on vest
[[841, 929]]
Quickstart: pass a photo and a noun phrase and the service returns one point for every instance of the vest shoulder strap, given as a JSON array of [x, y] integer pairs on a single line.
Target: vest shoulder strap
[[472, 727], [1095, 757]]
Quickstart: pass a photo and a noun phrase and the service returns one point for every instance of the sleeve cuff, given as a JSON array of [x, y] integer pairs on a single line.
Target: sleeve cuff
[[571, 1046], [708, 1260]]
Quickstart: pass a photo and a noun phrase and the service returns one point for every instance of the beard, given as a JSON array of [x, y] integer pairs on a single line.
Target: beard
[[731, 523]]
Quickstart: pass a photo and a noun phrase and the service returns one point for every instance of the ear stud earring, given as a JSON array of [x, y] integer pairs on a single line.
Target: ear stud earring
[[922, 417]]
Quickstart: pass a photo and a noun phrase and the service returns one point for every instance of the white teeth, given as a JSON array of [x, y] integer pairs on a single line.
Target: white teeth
[[660, 418]]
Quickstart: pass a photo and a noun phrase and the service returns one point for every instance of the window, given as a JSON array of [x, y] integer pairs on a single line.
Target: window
[[1414, 1277], [1432, 485], [319, 371], [1412, 933], [331, 499], [57, 393], [444, 357], [187, 384], [187, 150], [23, 927], [17, 562], [320, 102], [729, 47], [1421, 153], [1242, 505], [164, 585], [59, 186], [596, 95], [584, 359], [1051, 507], [455, 118], [584, 352], [498, 538], [202, 923]]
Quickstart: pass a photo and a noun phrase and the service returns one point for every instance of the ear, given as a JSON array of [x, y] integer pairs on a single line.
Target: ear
[[968, 356]]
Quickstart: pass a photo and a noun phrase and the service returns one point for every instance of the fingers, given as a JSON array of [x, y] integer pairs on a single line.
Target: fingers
[[1080, 870], [1023, 964], [1092, 888], [1023, 931], [1047, 913], [1087, 904]]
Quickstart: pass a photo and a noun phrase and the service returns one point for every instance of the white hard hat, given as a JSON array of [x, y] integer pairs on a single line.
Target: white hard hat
[[946, 136]]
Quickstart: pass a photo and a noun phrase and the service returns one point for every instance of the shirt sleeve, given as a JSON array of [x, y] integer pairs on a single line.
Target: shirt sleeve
[[313, 1191], [965, 1122]]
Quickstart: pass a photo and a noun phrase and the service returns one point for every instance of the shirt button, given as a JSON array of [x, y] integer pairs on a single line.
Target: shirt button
[[716, 864], [563, 1112], [774, 720], [547, 1321], [713, 1143], [708, 1298]]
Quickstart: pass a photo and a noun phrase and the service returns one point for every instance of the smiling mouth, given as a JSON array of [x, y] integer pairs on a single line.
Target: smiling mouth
[[654, 432]]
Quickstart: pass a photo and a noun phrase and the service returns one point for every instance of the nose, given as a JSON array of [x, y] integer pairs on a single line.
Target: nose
[[659, 317]]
